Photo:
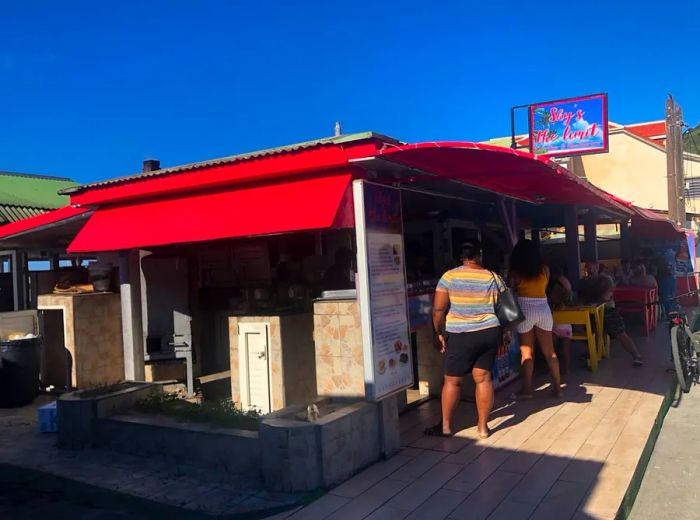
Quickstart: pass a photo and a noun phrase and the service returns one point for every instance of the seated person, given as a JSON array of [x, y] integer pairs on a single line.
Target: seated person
[[559, 294], [623, 273], [599, 288], [640, 278]]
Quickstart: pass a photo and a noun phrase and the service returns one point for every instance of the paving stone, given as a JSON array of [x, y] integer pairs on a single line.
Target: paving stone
[[482, 502], [321, 508], [424, 487], [369, 477], [369, 501], [438, 506]]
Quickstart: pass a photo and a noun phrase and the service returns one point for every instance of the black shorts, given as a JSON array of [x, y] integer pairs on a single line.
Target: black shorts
[[467, 350]]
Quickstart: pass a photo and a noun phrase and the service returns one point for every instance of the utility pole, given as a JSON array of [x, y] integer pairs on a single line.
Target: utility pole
[[680, 174], [674, 162]]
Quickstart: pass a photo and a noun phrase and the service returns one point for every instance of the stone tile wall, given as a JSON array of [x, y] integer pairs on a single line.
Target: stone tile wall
[[339, 356], [292, 370], [429, 361], [298, 359], [275, 345], [93, 333], [430, 366]]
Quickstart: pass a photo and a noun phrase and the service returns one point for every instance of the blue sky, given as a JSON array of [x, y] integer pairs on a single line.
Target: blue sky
[[90, 89]]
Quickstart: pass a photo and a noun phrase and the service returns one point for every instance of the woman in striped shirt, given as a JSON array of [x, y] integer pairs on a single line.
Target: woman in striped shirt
[[468, 333]]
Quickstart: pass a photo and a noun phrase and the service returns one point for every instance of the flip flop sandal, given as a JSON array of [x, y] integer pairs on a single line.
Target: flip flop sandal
[[436, 431]]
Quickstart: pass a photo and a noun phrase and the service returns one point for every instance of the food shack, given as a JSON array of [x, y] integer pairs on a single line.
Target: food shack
[[308, 270]]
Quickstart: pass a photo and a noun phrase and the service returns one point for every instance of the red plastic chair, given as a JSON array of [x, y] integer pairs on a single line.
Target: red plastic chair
[[638, 300]]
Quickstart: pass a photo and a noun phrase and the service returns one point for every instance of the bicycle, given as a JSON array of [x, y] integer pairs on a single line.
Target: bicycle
[[685, 347]]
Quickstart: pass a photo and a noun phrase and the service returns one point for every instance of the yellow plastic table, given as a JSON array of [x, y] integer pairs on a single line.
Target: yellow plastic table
[[586, 315]]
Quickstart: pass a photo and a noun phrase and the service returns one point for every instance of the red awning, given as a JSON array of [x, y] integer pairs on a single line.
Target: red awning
[[649, 224], [54, 228], [293, 205], [513, 173]]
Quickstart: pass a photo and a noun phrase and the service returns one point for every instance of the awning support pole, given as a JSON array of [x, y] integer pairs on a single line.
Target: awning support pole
[[625, 240], [591, 237], [573, 250], [132, 324]]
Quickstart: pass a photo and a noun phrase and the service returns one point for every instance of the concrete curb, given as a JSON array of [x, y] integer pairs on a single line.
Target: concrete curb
[[631, 494]]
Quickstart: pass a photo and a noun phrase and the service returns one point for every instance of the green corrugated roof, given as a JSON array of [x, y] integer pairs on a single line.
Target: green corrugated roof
[[33, 191], [15, 213]]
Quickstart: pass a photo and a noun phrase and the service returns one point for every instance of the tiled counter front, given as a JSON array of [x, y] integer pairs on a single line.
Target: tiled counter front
[[92, 331], [292, 370], [339, 358], [429, 361]]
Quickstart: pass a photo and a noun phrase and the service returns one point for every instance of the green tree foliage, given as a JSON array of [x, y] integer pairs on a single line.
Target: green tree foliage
[[691, 140]]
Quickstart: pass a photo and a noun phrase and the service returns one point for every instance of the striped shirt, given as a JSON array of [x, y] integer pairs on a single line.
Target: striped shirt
[[473, 294]]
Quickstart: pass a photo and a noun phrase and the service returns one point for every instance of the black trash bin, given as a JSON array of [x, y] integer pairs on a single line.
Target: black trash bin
[[19, 371]]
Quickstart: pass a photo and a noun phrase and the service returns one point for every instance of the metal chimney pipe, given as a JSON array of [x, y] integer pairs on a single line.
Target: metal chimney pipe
[[150, 165]]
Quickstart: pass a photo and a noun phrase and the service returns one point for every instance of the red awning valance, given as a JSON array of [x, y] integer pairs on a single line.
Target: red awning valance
[[293, 205], [512, 173], [53, 229], [648, 224]]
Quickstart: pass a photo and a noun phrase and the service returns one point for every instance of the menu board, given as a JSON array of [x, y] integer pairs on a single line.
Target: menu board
[[382, 293]]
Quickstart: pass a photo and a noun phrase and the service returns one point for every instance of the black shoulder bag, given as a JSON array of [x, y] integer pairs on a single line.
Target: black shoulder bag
[[508, 311]]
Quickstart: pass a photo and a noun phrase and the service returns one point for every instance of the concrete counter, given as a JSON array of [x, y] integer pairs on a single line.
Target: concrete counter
[[82, 339]]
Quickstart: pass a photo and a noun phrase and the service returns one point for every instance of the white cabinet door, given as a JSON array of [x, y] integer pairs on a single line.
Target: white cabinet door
[[254, 366]]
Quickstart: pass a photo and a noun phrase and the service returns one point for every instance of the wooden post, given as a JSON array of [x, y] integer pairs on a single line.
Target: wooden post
[[132, 325], [591, 237], [507, 212], [573, 251], [21, 280]]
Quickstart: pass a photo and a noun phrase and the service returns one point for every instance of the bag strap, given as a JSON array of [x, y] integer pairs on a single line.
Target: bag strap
[[495, 282]]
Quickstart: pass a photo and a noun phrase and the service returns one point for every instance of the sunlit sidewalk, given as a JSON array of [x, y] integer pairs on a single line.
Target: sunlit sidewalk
[[546, 459]]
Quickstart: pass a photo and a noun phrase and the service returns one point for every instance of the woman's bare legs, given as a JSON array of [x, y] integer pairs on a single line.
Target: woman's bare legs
[[451, 391], [484, 399], [527, 347], [544, 338]]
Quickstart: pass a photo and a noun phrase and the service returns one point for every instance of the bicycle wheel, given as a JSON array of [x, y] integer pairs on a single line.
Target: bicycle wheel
[[682, 357]]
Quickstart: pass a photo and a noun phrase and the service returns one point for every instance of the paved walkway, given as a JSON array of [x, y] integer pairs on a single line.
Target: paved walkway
[[166, 482], [670, 485], [547, 459]]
